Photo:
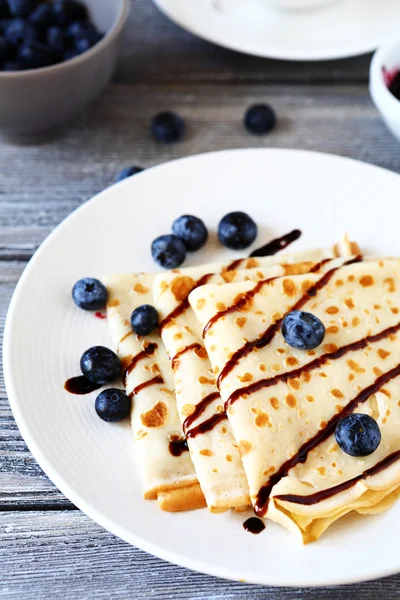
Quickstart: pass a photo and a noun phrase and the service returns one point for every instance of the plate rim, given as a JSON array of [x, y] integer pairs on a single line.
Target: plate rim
[[363, 49], [58, 479]]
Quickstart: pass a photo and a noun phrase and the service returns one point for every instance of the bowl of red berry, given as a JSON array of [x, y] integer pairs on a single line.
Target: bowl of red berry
[[56, 56], [385, 84]]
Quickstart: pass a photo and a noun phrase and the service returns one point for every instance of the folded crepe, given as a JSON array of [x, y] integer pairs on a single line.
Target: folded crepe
[[211, 442], [284, 404], [166, 468]]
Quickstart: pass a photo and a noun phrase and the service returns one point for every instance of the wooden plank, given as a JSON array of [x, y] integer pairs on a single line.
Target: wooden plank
[[60, 175], [155, 49], [66, 555]]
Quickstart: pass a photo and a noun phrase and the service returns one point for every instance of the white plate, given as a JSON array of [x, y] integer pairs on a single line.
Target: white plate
[[342, 29], [92, 462]]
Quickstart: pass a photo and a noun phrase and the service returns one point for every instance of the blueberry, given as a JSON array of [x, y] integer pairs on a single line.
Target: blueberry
[[100, 365], [70, 53], [112, 405], [85, 42], [4, 49], [260, 119], [21, 8], [191, 231], [36, 56], [12, 65], [79, 28], [358, 435], [167, 127], [144, 319], [4, 9], [302, 330], [56, 40], [42, 16], [19, 32], [66, 11], [237, 231], [168, 251], [394, 86], [89, 294], [128, 172]]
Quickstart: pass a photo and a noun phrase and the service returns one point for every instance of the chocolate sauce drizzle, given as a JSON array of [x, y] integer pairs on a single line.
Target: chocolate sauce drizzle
[[341, 487], [148, 351], [263, 495], [175, 360], [207, 425], [254, 525], [269, 334], [200, 408], [314, 364], [80, 385], [184, 305], [235, 264], [145, 384], [279, 244], [178, 446]]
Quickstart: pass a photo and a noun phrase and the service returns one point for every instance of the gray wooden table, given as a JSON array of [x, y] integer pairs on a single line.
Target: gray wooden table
[[47, 547]]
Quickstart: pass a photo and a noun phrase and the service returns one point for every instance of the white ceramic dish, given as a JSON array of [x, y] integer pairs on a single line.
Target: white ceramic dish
[[385, 62], [338, 30], [92, 462]]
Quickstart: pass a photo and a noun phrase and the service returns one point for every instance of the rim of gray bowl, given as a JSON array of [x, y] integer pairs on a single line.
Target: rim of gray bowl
[[112, 32]]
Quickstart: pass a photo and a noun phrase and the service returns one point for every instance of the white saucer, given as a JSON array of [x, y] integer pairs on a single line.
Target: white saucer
[[92, 462], [339, 30]]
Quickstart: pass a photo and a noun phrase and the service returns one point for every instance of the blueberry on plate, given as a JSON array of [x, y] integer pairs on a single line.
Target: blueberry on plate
[[128, 172], [358, 434], [302, 330], [36, 55], [18, 32], [100, 365], [191, 230], [168, 251], [237, 231], [42, 16], [144, 319], [56, 40], [167, 127], [260, 119], [90, 294], [112, 405], [66, 11], [21, 8]]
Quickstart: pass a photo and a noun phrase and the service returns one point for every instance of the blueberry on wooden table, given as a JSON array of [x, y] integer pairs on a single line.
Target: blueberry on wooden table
[[112, 405], [191, 230], [167, 127], [358, 435], [237, 231], [260, 119], [128, 172], [90, 294], [100, 365], [303, 330], [144, 319], [168, 251]]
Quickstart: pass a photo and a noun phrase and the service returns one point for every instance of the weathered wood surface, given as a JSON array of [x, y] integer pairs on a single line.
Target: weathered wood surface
[[48, 549]]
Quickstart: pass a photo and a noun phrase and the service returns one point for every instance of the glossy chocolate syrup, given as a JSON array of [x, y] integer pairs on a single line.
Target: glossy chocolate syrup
[[279, 244], [268, 335], [200, 408], [148, 351], [235, 264], [261, 504], [146, 384], [177, 356], [206, 425], [314, 364], [178, 446], [184, 305], [80, 385], [254, 525], [328, 493]]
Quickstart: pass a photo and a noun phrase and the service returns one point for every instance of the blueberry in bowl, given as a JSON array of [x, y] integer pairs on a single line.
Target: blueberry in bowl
[[60, 54]]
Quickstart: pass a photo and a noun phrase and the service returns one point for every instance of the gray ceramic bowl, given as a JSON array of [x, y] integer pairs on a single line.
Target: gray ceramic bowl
[[38, 102]]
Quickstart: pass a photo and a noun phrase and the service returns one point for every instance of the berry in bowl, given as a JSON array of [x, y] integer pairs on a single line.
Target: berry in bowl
[[385, 84], [58, 53]]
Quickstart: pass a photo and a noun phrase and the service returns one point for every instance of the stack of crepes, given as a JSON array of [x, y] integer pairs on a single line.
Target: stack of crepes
[[259, 416]]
